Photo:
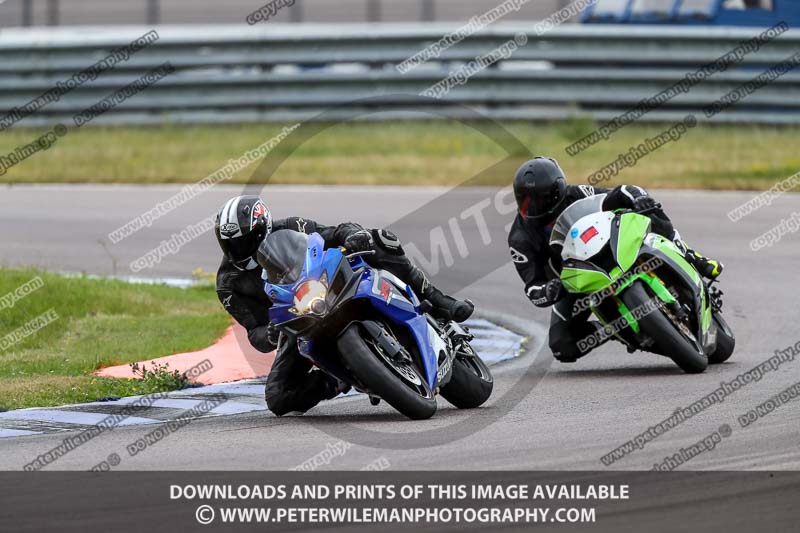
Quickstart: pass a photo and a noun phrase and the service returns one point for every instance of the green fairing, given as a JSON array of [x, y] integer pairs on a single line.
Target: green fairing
[[633, 229], [706, 313], [578, 280], [658, 288], [668, 247]]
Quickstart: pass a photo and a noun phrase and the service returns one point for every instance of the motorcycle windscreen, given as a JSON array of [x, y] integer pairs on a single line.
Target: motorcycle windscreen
[[572, 214], [285, 254]]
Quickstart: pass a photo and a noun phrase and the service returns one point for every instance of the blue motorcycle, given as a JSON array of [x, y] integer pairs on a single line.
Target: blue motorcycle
[[367, 328]]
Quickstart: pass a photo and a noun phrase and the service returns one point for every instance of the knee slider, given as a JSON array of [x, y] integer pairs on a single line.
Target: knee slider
[[276, 403], [565, 352]]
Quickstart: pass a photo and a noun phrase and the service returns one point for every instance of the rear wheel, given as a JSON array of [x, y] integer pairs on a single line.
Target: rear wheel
[[673, 340], [725, 341], [471, 383], [400, 383]]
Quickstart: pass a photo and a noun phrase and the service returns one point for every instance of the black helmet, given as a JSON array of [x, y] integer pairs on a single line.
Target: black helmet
[[240, 226], [540, 188]]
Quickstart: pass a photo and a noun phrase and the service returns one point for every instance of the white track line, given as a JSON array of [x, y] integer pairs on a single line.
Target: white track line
[[71, 417], [4, 433]]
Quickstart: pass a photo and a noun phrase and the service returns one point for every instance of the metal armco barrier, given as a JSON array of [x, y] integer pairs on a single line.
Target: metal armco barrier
[[295, 71]]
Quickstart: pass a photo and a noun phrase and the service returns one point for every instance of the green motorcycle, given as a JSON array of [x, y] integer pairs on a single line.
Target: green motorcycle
[[640, 286]]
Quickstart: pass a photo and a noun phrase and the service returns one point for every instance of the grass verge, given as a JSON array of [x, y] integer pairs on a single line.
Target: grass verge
[[406, 153], [99, 323]]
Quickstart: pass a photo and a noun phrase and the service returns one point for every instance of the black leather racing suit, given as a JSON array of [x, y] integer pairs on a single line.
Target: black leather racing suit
[[537, 263], [290, 384]]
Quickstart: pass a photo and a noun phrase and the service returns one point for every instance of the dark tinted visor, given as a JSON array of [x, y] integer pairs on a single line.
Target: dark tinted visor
[[539, 206], [241, 248], [533, 206]]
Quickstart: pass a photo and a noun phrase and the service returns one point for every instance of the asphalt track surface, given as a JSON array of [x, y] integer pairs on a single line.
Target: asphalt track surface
[[542, 415]]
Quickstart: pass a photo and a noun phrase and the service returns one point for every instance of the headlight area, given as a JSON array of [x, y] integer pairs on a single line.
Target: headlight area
[[309, 297]]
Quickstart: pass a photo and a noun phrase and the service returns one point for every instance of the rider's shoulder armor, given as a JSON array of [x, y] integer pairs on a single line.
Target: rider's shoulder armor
[[579, 192], [303, 225]]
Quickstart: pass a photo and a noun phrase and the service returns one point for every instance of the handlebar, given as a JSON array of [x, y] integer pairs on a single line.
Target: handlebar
[[655, 207], [358, 254], [643, 211]]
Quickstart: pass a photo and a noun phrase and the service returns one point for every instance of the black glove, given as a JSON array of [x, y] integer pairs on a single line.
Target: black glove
[[554, 290], [643, 203], [548, 294], [360, 241], [273, 334]]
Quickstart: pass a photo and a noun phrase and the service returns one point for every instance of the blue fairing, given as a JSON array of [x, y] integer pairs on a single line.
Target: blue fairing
[[401, 309]]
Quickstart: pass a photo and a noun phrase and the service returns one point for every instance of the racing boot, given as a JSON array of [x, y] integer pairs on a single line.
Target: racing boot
[[444, 307], [707, 267], [448, 308]]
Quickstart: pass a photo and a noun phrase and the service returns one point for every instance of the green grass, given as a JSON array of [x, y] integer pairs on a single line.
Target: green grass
[[100, 323], [406, 153]]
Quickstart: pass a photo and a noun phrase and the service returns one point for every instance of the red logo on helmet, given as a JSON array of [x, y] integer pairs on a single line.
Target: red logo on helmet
[[259, 210]]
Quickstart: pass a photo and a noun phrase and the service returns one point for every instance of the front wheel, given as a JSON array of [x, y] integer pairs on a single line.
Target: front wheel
[[399, 383], [670, 338], [471, 383]]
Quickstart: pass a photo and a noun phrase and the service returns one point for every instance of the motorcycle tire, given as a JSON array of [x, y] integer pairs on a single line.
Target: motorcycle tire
[[471, 383], [726, 341], [414, 400], [666, 335]]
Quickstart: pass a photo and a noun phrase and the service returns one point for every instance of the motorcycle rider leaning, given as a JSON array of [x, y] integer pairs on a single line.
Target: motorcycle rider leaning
[[242, 224], [542, 194]]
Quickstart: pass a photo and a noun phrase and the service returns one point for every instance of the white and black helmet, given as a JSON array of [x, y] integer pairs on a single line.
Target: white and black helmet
[[240, 226]]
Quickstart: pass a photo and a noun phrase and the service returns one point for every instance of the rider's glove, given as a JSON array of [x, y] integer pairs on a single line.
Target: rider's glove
[[360, 241], [548, 294], [554, 290], [643, 203], [273, 334]]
